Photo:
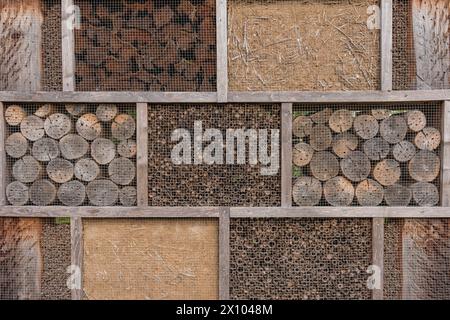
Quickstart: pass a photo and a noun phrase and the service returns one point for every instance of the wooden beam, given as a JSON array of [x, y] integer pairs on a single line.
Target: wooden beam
[[68, 44], [3, 166], [286, 155], [142, 154], [76, 235], [386, 45], [224, 254], [445, 176], [222, 50], [378, 255]]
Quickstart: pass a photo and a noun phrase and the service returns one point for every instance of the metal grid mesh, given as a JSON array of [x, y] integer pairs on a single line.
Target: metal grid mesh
[[417, 259], [150, 45], [366, 155], [172, 184], [151, 259], [71, 155], [34, 257], [421, 45], [324, 45], [300, 258]]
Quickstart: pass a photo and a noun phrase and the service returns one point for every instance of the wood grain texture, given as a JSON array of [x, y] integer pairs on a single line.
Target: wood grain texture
[[286, 155], [142, 154], [68, 45], [3, 171], [224, 254], [222, 50], [76, 235], [386, 45], [445, 161], [378, 254]]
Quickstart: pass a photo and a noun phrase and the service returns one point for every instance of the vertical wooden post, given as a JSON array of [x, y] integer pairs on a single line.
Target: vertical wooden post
[[222, 55], [76, 235], [3, 167], [445, 177], [286, 155], [142, 154], [224, 254], [386, 45], [68, 45]]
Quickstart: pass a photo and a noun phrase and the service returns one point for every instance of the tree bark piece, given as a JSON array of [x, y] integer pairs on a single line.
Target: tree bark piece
[[88, 126], [387, 172], [404, 151], [106, 112], [397, 195], [302, 154], [344, 143], [103, 150], [128, 196], [339, 192], [73, 146], [341, 121], [366, 126], [16, 145], [17, 193], [60, 170], [307, 191], [322, 116], [425, 194], [26, 169], [123, 127], [57, 125], [376, 149], [393, 129], [72, 193], [86, 170], [76, 110], [369, 193], [42, 193], [381, 114], [416, 120], [32, 128], [14, 115], [324, 165], [302, 126], [127, 148], [356, 166], [102, 192], [45, 149], [424, 166], [44, 111], [122, 171], [428, 139], [320, 138]]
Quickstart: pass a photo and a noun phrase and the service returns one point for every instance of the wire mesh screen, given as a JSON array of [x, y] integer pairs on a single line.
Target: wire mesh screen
[[150, 45], [366, 155], [151, 259], [417, 259], [34, 257], [421, 45], [323, 45], [51, 45], [72, 155], [213, 155], [300, 258]]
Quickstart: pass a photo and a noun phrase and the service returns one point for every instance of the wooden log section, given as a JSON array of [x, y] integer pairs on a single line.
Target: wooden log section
[[302, 126], [425, 194], [60, 170], [76, 110], [387, 172], [344, 143], [72, 193], [376, 149], [338, 192], [341, 120], [366, 126], [103, 150], [397, 195], [381, 114], [42, 192], [302, 154], [322, 117], [307, 191], [393, 129], [45, 149], [128, 196], [369, 193], [324, 165], [356, 166], [127, 148], [88, 126], [26, 169], [424, 166], [428, 139], [16, 145], [416, 120], [122, 171], [14, 115], [123, 127], [86, 170], [102, 192], [32, 128], [404, 151], [17, 193], [106, 112], [320, 138], [44, 111], [73, 146], [57, 125]]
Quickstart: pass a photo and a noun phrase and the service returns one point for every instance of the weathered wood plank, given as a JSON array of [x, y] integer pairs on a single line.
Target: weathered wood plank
[[3, 168], [224, 254], [445, 176], [68, 44], [142, 154], [222, 50], [76, 235], [378, 254], [286, 155], [386, 45]]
